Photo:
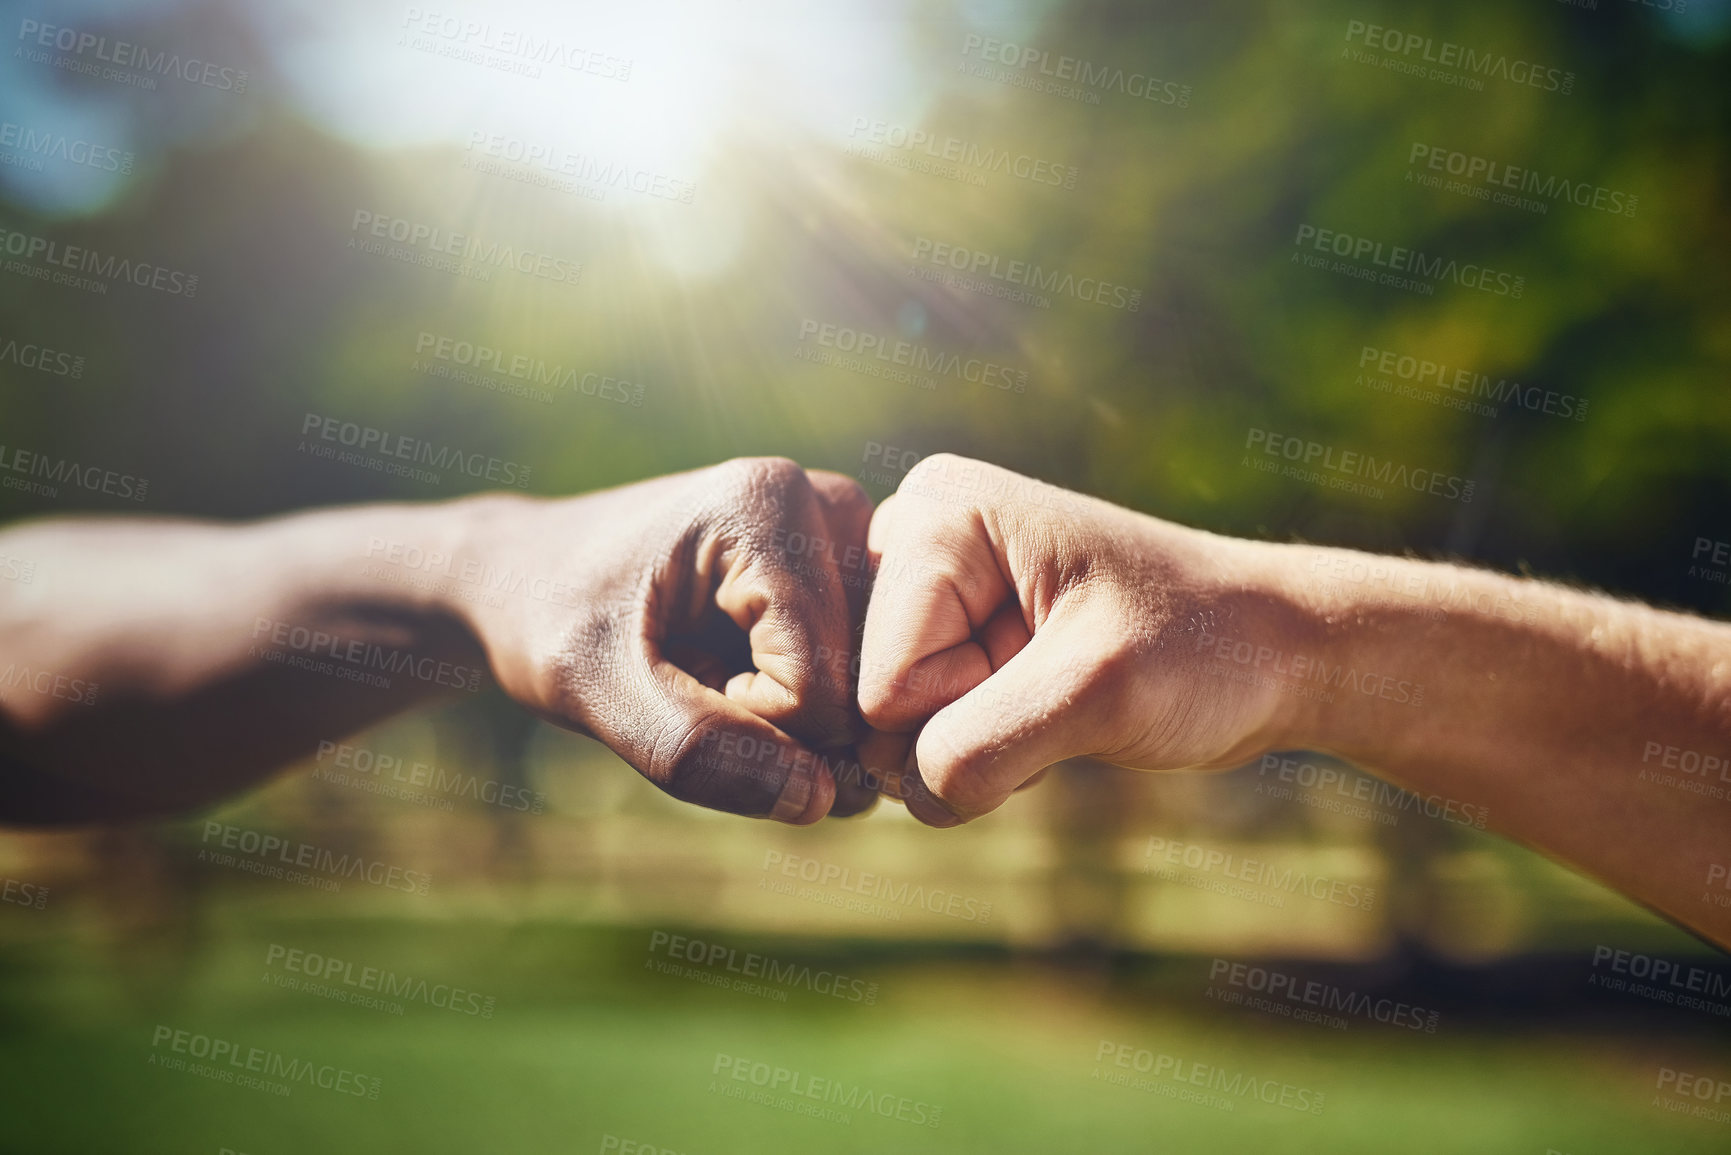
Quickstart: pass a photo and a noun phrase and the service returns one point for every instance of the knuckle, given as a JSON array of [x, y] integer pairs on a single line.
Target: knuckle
[[941, 462], [764, 475], [881, 691], [769, 503], [840, 489], [929, 551], [945, 564], [947, 477], [877, 703], [955, 776], [853, 493], [814, 707]]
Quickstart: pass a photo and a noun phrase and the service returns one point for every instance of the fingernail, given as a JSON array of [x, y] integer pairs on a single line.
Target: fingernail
[[819, 794], [919, 799], [795, 795]]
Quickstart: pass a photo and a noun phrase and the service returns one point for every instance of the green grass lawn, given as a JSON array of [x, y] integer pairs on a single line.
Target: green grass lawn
[[587, 1042]]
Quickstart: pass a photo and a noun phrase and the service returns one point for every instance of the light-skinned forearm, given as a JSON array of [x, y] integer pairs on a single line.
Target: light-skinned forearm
[[1560, 711]]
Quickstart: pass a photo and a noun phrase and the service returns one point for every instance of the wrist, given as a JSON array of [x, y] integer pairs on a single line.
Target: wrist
[[480, 552], [1301, 627], [1272, 627], [1242, 635], [1354, 622], [424, 566]]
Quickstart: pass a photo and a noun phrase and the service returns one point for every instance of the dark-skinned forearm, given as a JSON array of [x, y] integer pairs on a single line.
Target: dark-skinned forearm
[[157, 665]]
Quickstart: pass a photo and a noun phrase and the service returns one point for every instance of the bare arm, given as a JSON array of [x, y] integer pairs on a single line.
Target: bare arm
[[1563, 712], [1015, 624], [149, 667]]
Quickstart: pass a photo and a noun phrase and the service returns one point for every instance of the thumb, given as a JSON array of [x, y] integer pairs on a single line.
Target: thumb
[[701, 746], [1044, 705]]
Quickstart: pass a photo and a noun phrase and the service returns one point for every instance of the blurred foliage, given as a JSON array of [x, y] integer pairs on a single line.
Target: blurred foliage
[[1196, 206]]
